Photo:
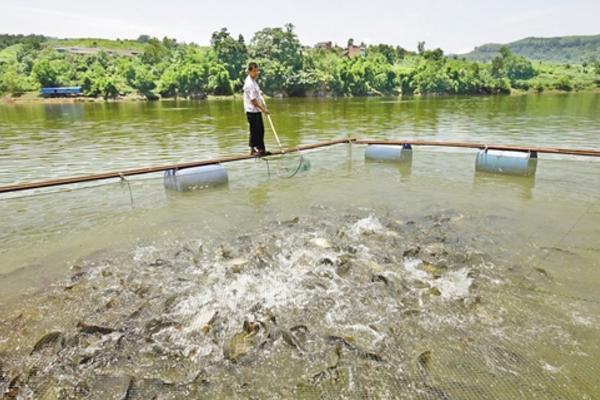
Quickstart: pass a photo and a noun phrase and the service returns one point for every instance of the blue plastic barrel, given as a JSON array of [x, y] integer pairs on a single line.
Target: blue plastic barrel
[[507, 162], [386, 152], [183, 180]]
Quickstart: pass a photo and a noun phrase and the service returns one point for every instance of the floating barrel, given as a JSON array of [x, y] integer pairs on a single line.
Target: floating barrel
[[507, 162], [385, 152], [186, 179]]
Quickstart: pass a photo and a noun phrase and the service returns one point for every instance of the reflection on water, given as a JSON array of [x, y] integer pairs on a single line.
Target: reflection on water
[[522, 185]]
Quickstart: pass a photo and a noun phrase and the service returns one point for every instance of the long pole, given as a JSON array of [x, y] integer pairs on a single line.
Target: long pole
[[548, 150], [275, 132], [273, 126], [160, 168]]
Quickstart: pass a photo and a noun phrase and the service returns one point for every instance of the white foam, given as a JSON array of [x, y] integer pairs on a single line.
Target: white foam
[[455, 284], [549, 368], [581, 320], [368, 225], [145, 254], [452, 284], [233, 294], [411, 266]]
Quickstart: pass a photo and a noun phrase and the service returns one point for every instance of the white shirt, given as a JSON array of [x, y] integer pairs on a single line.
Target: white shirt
[[251, 92]]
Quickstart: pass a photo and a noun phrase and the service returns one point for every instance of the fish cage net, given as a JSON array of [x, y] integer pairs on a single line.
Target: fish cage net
[[368, 299]]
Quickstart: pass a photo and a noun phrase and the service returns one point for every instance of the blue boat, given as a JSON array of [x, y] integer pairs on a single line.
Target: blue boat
[[61, 91]]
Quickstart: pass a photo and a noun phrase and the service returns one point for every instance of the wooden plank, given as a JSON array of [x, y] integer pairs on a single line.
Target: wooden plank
[[159, 168], [548, 150], [223, 160]]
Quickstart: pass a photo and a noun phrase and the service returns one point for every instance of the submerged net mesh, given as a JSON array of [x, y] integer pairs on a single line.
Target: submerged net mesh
[[287, 165], [514, 337]]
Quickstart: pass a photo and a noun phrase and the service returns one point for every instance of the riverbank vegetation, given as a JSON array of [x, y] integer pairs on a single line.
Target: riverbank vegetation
[[154, 68]]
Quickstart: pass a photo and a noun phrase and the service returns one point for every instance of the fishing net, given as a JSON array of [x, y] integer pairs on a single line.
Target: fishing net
[[287, 165]]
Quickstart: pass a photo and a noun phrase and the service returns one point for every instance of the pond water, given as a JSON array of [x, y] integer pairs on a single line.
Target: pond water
[[353, 279]]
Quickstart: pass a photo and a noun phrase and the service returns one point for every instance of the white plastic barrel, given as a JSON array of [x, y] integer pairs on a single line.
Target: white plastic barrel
[[387, 152], [183, 180], [506, 162]]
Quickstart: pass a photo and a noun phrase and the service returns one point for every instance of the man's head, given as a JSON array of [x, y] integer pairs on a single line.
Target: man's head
[[253, 70]]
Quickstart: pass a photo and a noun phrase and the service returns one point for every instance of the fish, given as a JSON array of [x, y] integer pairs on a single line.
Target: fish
[[435, 270], [424, 359], [159, 262], [289, 338], [241, 342], [300, 328], [47, 340], [380, 278], [153, 388], [325, 261], [330, 372], [93, 329], [158, 324], [356, 350], [542, 271]]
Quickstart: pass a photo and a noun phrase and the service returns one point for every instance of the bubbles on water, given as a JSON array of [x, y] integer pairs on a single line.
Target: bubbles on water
[[328, 301], [368, 225]]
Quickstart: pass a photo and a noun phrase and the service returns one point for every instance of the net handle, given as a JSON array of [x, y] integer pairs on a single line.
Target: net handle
[[273, 127]]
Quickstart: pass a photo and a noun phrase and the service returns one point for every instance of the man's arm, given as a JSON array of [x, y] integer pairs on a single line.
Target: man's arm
[[258, 104]]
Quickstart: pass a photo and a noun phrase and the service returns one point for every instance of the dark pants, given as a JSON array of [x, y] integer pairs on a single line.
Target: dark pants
[[257, 131]]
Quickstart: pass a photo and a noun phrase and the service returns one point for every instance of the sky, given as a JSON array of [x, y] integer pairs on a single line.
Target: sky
[[455, 26]]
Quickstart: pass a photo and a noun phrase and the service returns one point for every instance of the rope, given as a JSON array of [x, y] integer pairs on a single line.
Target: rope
[[123, 179]]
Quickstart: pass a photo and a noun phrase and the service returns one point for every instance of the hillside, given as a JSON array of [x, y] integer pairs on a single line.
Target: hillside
[[565, 49], [154, 68]]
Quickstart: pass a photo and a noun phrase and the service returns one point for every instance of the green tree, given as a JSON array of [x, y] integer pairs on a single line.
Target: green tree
[[45, 73], [109, 88], [433, 55], [279, 54], [13, 81], [563, 83], [169, 43], [431, 78], [155, 52], [596, 66], [232, 53], [512, 66], [188, 76], [218, 80], [519, 68], [278, 44], [140, 77], [389, 52], [29, 41], [498, 70], [168, 84]]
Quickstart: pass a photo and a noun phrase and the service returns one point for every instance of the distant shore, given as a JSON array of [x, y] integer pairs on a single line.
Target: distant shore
[[32, 98]]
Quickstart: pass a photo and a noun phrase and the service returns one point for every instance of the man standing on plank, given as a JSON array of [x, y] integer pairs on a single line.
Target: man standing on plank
[[254, 107]]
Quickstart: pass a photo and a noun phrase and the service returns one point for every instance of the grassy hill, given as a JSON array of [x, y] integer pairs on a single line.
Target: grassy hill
[[565, 49], [106, 44]]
